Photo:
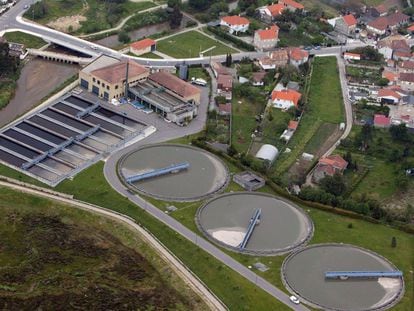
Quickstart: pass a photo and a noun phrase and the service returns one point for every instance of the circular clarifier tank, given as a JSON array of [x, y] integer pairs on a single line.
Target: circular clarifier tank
[[232, 220], [303, 273], [205, 174]]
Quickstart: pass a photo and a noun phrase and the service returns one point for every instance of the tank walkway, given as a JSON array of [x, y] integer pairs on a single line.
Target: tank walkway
[[175, 168], [252, 224], [344, 275]]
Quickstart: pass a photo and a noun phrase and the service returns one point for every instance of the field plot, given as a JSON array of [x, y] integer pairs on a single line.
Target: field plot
[[190, 44], [29, 41], [54, 255]]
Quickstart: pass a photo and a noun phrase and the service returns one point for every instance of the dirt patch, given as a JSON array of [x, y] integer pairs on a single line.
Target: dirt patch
[[67, 23]]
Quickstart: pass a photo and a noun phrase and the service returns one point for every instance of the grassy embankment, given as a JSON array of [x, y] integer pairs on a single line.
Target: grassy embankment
[[53, 252]]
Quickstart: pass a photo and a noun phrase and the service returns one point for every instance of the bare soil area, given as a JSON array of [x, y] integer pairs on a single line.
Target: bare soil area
[[67, 23], [37, 79]]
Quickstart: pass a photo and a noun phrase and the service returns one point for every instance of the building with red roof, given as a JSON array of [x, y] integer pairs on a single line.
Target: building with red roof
[[277, 58], [388, 96], [405, 66], [235, 23], [225, 86], [285, 99], [346, 24], [292, 5], [270, 12], [381, 121], [406, 81], [382, 24], [329, 166], [410, 28], [265, 39], [143, 46], [298, 56], [352, 56], [392, 77]]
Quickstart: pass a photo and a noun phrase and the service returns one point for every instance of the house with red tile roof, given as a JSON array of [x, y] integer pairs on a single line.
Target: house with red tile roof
[[285, 99], [143, 46], [382, 24], [270, 12], [379, 10], [329, 166], [346, 24], [235, 23], [298, 56], [265, 39], [225, 86], [388, 96], [224, 109], [288, 133], [406, 81], [391, 76], [405, 66], [410, 29], [381, 121], [292, 5], [352, 56], [275, 59]]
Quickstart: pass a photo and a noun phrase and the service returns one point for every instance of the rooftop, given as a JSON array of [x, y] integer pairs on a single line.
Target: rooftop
[[225, 81], [293, 125], [275, 9], [335, 161], [388, 93], [116, 73], [142, 44], [174, 84], [289, 95], [235, 20], [380, 119], [293, 4], [298, 54], [350, 20], [408, 77], [269, 34]]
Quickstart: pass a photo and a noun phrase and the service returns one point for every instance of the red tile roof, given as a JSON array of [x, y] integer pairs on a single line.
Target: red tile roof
[[235, 20], [381, 23], [408, 77], [298, 54], [225, 108], [408, 64], [116, 73], [289, 95], [276, 9], [391, 76], [142, 44], [269, 34], [335, 161], [225, 81], [387, 93], [293, 4], [381, 9], [350, 20], [411, 28], [258, 76], [380, 119], [352, 54], [293, 125], [174, 84]]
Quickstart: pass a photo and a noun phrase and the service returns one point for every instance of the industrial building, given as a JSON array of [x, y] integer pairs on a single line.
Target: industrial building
[[249, 181], [161, 91]]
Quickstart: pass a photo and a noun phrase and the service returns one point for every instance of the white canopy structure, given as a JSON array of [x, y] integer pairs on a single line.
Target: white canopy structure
[[267, 152]]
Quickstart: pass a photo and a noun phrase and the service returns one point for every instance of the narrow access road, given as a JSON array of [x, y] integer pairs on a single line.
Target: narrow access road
[[184, 272], [112, 178]]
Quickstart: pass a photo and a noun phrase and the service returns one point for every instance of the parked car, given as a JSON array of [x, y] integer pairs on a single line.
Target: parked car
[[294, 299]]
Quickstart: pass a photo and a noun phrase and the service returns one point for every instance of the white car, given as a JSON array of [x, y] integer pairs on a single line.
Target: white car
[[294, 299]]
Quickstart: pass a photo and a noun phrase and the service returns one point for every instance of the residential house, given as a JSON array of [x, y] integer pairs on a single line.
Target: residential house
[[270, 12], [292, 5], [381, 121], [410, 29], [346, 25], [406, 81], [379, 10], [224, 109], [288, 133], [219, 69], [395, 48], [278, 58], [405, 66], [352, 56], [382, 24], [388, 96], [143, 46], [265, 39], [285, 99], [391, 76], [329, 166], [235, 24], [297, 56], [258, 78], [225, 86]]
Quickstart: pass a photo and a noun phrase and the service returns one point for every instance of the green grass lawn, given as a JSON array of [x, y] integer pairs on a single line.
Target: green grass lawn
[[23, 38], [148, 55], [325, 95], [190, 44], [272, 129], [320, 137]]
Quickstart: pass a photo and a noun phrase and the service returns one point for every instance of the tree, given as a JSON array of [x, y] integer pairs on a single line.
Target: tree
[[393, 242], [124, 37], [229, 60], [382, 82], [175, 18], [270, 116], [348, 158], [399, 132], [173, 3], [333, 184]]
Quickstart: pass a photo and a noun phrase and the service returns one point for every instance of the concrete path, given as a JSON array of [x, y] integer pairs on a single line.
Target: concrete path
[[184, 272]]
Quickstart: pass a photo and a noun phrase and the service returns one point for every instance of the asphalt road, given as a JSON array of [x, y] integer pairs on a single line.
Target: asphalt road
[[12, 21]]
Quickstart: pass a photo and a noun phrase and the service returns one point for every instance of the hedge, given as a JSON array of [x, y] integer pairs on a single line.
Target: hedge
[[237, 42]]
